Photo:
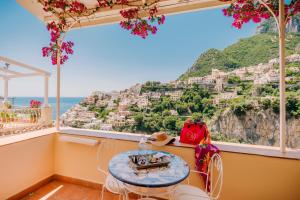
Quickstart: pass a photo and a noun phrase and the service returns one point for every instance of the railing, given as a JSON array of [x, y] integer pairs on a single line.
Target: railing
[[19, 120]]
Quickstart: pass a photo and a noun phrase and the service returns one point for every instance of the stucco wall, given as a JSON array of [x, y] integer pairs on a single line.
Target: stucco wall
[[25, 163], [245, 176]]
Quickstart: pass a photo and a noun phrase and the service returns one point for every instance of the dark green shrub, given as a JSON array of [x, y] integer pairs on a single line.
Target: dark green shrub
[[197, 117], [170, 123], [293, 106], [240, 109], [275, 106], [181, 108], [234, 80], [225, 138], [266, 103], [268, 90]]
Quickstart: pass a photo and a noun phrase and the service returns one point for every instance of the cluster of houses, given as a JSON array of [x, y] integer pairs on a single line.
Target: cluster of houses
[[259, 74], [119, 104]]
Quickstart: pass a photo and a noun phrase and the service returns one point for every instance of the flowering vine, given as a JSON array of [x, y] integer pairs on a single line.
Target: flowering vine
[[244, 11], [65, 48], [139, 26], [69, 11]]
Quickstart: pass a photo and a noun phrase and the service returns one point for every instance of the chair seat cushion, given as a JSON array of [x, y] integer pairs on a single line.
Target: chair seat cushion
[[187, 192], [113, 185]]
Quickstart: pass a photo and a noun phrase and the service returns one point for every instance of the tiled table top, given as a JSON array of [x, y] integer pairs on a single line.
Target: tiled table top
[[120, 168]]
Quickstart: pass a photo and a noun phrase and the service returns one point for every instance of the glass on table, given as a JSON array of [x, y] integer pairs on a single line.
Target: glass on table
[[143, 143]]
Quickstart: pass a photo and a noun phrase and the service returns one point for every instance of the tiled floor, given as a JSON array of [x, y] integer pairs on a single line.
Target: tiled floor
[[58, 190]]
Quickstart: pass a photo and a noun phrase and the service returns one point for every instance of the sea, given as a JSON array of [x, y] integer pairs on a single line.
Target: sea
[[65, 102]]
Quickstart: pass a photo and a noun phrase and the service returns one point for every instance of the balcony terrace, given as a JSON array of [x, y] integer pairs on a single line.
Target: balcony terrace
[[32, 160]]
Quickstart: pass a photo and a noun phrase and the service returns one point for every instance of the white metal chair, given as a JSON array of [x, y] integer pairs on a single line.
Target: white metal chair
[[215, 172], [149, 193], [111, 184]]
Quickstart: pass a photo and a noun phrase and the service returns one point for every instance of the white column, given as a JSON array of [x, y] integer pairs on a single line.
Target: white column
[[46, 91], [282, 75], [5, 89], [58, 89]]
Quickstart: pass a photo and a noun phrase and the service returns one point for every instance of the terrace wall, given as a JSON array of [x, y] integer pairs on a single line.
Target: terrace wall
[[245, 176], [25, 163]]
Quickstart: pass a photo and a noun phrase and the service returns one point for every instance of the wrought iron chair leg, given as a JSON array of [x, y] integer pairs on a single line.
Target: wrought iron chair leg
[[102, 192], [125, 196]]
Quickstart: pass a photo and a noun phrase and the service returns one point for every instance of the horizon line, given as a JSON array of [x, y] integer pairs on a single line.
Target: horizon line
[[48, 97]]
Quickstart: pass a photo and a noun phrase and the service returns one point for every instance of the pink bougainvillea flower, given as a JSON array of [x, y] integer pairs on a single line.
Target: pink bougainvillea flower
[[154, 30], [45, 51], [236, 15], [256, 19], [237, 24], [161, 20], [242, 11], [75, 8], [225, 12], [139, 26]]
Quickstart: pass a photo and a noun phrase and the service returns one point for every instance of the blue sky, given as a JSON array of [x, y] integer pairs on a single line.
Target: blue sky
[[109, 58]]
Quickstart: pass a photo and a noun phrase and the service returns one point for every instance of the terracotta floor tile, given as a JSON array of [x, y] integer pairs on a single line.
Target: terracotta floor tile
[[58, 190]]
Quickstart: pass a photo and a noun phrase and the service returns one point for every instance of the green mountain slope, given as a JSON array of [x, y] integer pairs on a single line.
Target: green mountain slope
[[257, 49]]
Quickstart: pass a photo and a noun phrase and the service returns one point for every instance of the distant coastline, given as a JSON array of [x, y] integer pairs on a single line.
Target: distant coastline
[[66, 102]]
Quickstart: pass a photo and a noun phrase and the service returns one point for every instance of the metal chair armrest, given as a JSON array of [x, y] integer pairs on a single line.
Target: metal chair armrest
[[196, 172], [102, 171]]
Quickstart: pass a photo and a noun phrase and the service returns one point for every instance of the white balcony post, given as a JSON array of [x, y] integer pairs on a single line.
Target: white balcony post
[[5, 89], [282, 75], [46, 91], [58, 87]]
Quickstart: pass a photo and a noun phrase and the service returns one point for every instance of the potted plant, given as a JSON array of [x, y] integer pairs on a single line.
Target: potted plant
[[35, 112], [7, 105], [4, 116]]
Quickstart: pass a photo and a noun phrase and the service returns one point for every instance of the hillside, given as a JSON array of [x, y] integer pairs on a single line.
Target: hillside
[[248, 51], [257, 49], [238, 106]]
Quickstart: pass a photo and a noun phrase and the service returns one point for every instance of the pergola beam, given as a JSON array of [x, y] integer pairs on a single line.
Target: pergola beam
[[26, 75], [26, 66], [3, 76], [9, 74], [112, 15], [10, 71]]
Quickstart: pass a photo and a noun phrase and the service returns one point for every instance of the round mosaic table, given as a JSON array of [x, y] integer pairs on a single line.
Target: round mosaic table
[[176, 172]]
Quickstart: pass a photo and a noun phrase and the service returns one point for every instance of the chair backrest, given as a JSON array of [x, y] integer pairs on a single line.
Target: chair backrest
[[104, 147], [215, 171]]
